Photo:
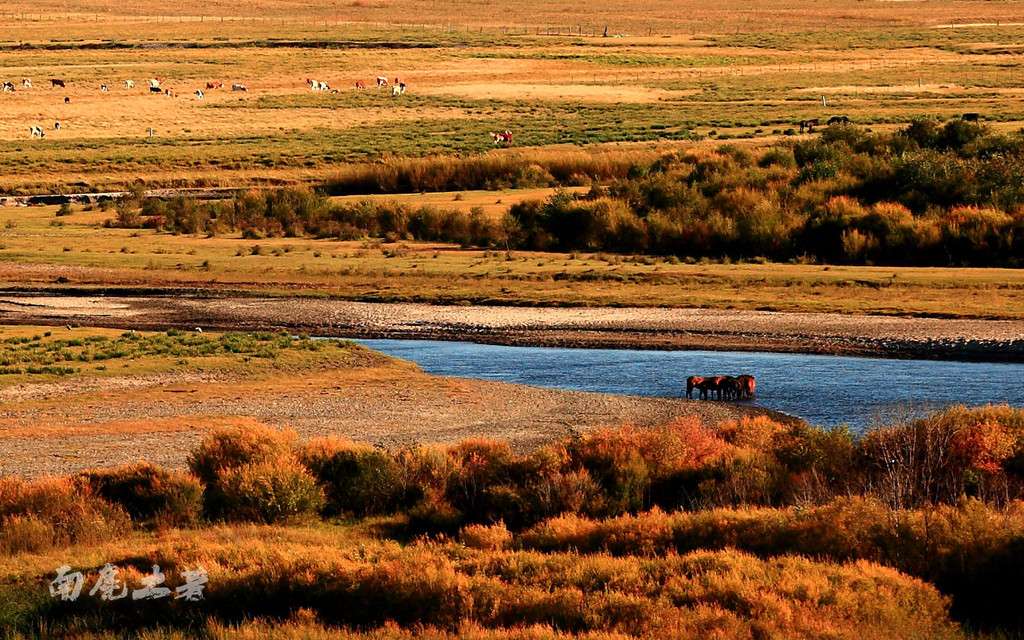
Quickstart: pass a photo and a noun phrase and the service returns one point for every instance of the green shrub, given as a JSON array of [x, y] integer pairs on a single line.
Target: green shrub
[[357, 478], [270, 492]]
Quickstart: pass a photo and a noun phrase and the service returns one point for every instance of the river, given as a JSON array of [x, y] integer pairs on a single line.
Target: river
[[824, 390]]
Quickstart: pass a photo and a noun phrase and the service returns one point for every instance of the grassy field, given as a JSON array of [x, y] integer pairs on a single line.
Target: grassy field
[[875, 63], [40, 247]]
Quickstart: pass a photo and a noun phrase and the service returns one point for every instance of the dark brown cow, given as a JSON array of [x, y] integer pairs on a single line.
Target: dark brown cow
[[54, 82]]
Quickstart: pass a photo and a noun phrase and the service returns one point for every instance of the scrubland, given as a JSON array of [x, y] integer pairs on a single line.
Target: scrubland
[[746, 529]]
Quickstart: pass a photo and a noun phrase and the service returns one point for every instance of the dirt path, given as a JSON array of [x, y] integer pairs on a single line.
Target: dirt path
[[647, 328]]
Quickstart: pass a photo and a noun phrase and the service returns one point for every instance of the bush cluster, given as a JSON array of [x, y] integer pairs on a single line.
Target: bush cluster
[[931, 194]]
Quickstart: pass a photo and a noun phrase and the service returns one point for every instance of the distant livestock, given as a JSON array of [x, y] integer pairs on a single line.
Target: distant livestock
[[56, 126], [381, 81], [214, 85], [26, 83], [129, 84], [809, 125], [200, 94], [54, 82], [67, 100], [838, 120], [239, 87], [36, 132], [722, 387], [8, 86], [318, 85], [104, 87], [502, 137], [971, 117], [398, 89], [360, 85]]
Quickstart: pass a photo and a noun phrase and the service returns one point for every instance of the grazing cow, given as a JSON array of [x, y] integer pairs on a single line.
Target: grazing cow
[[67, 100], [26, 83], [56, 126], [239, 87], [838, 120], [381, 82], [809, 125], [104, 87], [971, 117], [360, 85], [170, 93], [36, 132], [8, 86], [398, 89], [54, 82], [502, 137], [154, 85], [334, 91], [214, 85], [129, 84], [199, 94], [318, 85]]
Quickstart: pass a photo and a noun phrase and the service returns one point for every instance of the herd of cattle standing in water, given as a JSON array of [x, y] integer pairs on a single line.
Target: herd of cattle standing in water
[[721, 387]]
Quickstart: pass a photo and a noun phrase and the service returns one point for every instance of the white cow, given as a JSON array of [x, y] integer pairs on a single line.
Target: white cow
[[398, 89], [37, 132], [26, 83], [239, 87], [129, 84]]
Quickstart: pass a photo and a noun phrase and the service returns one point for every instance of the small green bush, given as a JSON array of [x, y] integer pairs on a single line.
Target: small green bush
[[269, 492], [357, 478]]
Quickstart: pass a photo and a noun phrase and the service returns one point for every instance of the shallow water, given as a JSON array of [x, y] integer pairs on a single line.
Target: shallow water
[[824, 390]]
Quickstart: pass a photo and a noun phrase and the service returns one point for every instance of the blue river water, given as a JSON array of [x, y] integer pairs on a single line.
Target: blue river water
[[824, 390]]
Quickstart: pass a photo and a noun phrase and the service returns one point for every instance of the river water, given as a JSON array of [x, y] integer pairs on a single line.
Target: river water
[[824, 390]]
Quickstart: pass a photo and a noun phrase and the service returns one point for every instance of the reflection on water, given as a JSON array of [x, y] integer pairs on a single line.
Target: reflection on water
[[824, 390]]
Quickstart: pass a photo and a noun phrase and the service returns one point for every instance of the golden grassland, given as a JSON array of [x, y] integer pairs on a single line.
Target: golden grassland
[[38, 247], [661, 15], [551, 90]]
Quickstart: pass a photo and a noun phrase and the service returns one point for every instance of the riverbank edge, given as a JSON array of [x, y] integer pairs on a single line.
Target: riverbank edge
[[871, 336]]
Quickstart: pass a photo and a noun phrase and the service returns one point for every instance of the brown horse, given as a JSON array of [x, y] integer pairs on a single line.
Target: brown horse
[[693, 382], [747, 384], [729, 389]]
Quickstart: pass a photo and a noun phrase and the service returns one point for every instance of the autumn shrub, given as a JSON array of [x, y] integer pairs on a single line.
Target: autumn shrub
[[271, 491], [283, 574], [54, 511], [358, 479], [481, 536], [944, 457], [149, 494], [236, 446]]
